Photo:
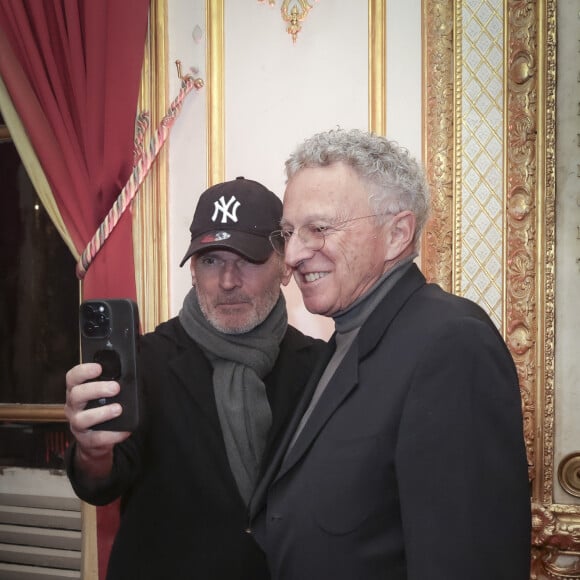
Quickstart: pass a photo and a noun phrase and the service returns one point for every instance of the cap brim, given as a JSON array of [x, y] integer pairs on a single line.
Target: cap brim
[[255, 248]]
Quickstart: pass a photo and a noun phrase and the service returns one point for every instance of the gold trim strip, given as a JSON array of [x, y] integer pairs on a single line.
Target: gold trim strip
[[150, 233], [33, 413], [438, 22], [546, 249], [215, 92], [524, 214], [89, 551], [458, 147], [377, 67]]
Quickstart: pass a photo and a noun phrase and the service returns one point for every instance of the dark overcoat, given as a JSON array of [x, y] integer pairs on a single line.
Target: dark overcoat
[[412, 466], [181, 514]]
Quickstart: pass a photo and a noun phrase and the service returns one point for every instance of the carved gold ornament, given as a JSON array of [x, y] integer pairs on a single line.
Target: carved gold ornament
[[294, 12]]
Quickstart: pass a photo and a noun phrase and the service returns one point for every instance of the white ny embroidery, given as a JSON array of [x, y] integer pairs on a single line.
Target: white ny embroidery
[[224, 207]]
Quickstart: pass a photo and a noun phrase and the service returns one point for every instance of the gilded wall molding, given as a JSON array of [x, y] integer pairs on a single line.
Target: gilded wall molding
[[215, 92], [439, 142], [556, 527], [377, 67], [547, 256], [529, 181], [524, 71], [150, 222]]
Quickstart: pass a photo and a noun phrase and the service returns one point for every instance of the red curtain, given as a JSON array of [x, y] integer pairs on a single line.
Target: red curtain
[[72, 69]]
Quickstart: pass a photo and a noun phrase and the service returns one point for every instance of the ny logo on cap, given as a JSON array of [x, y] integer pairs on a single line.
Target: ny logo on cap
[[224, 207]]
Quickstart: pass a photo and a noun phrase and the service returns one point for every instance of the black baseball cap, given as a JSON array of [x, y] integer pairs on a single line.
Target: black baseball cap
[[236, 215]]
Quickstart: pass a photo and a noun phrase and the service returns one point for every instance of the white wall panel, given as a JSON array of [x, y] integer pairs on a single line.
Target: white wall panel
[[404, 70], [279, 92], [188, 139]]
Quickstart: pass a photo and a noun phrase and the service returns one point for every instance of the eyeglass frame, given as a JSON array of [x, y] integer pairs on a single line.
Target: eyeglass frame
[[321, 234]]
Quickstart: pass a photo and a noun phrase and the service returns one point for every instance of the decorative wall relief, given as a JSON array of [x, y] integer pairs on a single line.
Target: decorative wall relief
[[294, 12], [528, 278]]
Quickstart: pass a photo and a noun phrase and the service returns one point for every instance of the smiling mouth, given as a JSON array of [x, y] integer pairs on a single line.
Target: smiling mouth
[[313, 276]]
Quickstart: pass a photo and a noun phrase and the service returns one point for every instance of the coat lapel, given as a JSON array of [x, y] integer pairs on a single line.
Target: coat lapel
[[281, 442], [195, 376], [344, 380], [285, 384]]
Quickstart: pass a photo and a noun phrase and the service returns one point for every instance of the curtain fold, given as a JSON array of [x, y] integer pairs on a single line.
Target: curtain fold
[[72, 70]]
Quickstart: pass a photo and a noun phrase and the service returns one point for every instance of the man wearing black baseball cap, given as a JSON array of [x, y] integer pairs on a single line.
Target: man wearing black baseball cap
[[219, 383], [237, 215]]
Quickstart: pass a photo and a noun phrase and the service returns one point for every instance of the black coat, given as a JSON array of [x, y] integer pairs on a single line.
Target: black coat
[[412, 466], [181, 514]]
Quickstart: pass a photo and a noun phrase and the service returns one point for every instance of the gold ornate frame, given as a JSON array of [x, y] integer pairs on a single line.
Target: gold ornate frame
[[529, 214]]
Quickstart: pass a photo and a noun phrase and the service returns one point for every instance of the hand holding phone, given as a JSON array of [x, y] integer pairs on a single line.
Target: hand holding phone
[[109, 331]]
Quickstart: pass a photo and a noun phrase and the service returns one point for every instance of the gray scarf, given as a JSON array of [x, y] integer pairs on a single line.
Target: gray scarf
[[240, 362]]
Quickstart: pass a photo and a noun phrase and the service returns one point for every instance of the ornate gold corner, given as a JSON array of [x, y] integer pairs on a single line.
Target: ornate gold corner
[[555, 542], [554, 564]]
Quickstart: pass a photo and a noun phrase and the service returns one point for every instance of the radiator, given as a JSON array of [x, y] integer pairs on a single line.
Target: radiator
[[40, 531]]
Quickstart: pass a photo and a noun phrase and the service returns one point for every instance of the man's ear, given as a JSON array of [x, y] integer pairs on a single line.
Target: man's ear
[[286, 273], [192, 270], [400, 234]]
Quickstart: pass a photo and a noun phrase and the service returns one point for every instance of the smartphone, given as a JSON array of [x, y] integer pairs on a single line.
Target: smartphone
[[109, 335]]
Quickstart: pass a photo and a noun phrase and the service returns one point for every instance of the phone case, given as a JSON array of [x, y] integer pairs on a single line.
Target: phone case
[[109, 332]]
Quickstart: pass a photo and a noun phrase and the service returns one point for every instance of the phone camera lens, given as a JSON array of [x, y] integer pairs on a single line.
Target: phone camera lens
[[87, 311], [95, 317]]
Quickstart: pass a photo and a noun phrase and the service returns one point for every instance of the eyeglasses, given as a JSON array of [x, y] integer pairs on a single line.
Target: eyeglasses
[[312, 236]]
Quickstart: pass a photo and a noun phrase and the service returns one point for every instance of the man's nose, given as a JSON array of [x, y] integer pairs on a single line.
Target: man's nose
[[230, 276], [296, 251]]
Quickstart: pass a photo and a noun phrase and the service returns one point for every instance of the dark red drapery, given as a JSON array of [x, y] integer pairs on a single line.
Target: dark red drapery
[[72, 69]]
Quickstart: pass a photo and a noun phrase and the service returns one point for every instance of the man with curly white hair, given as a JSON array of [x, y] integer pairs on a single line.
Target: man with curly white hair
[[405, 459]]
